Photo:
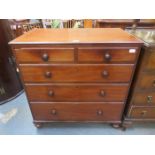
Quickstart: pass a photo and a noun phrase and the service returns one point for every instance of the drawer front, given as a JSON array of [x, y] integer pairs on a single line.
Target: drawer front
[[144, 98], [100, 93], [149, 60], [76, 111], [143, 112], [107, 55], [146, 81], [45, 55], [76, 73]]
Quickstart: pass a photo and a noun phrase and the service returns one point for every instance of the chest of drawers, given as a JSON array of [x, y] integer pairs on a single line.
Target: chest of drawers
[[76, 74], [142, 97]]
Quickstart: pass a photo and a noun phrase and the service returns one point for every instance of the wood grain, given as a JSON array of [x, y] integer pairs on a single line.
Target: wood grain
[[76, 73], [146, 81], [146, 98], [149, 60], [77, 92], [36, 55], [74, 36], [143, 112], [99, 55], [76, 111]]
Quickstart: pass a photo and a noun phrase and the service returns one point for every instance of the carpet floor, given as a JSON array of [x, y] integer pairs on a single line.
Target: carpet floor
[[16, 119]]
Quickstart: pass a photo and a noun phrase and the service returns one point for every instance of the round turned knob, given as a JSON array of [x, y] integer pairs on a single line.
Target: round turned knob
[[105, 73], [45, 57], [143, 113], [102, 93], [48, 74], [53, 112], [50, 93], [107, 56], [99, 112]]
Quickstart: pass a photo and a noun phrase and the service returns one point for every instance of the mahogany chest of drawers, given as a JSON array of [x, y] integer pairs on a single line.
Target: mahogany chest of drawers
[[142, 97], [76, 74]]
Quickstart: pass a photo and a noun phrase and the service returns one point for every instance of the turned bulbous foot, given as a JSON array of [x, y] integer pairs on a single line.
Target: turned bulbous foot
[[38, 125], [116, 125]]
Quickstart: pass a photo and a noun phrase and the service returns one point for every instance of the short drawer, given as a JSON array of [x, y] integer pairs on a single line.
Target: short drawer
[[146, 81], [76, 111], [142, 112], [144, 98], [76, 73], [107, 55], [79, 92], [45, 55]]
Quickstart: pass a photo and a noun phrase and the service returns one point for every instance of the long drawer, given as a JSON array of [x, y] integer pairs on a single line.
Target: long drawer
[[116, 55], [61, 111], [76, 73], [80, 92], [142, 112], [45, 55]]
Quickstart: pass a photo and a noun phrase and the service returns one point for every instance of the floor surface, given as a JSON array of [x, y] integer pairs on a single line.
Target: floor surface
[[19, 122]]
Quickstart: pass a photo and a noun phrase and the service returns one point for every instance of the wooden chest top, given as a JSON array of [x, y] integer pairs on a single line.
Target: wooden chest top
[[75, 36]]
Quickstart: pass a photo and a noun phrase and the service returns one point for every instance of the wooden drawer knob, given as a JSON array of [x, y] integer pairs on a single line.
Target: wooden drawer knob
[[51, 93], [45, 57], [143, 113], [102, 93], [53, 112], [105, 73], [99, 112], [107, 57], [48, 74]]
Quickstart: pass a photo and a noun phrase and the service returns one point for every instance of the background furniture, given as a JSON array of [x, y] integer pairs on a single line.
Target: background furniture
[[141, 104], [125, 23], [10, 85], [88, 23], [70, 23], [84, 75], [22, 26]]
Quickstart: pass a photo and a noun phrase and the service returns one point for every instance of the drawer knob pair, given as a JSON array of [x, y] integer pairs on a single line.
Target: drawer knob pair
[[99, 112], [45, 57], [48, 74], [107, 57]]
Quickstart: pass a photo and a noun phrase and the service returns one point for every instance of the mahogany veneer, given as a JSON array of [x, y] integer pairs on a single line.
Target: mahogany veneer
[[77, 74]]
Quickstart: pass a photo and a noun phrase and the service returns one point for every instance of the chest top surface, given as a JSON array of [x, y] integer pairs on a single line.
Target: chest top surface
[[76, 36]]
